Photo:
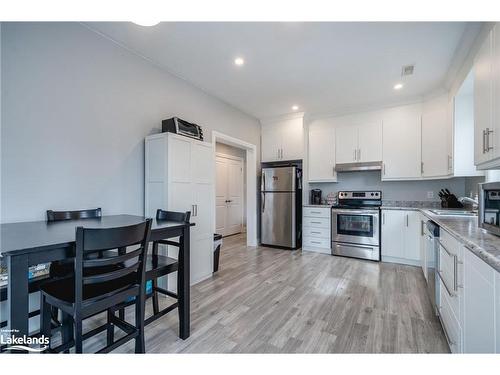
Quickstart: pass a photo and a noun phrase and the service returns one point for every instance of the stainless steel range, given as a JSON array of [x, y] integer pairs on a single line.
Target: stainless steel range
[[356, 224]]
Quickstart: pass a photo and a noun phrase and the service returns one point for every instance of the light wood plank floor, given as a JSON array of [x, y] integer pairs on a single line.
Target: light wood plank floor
[[266, 300]]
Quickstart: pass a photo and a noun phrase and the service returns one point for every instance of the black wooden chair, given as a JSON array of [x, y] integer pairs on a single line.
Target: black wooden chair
[[158, 265], [100, 284]]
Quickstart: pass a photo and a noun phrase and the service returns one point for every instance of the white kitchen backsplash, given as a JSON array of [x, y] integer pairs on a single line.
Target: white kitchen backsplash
[[397, 190]]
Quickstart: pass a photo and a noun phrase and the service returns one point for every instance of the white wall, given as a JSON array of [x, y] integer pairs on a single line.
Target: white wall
[[76, 109]]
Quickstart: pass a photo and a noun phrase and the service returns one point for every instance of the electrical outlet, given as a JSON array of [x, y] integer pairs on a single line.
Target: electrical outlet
[[430, 195]]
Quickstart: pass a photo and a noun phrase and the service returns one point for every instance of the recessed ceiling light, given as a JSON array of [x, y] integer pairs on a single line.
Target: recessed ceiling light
[[398, 86], [295, 107], [146, 23], [239, 61]]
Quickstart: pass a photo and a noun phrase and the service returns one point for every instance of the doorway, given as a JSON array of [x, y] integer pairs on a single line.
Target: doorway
[[229, 190], [248, 152]]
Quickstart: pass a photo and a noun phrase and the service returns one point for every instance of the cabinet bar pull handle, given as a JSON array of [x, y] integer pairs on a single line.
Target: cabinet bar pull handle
[[354, 157], [406, 219], [488, 147], [484, 141]]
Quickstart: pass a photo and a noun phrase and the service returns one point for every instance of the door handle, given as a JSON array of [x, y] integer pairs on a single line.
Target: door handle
[[354, 155], [484, 141], [263, 201], [192, 210], [488, 147], [383, 218], [422, 167], [383, 169], [406, 219], [359, 154]]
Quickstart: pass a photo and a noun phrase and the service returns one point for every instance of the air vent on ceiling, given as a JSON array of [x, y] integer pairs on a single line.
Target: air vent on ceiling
[[407, 70]]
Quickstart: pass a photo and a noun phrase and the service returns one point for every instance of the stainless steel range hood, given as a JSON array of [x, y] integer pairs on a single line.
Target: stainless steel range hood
[[354, 167]]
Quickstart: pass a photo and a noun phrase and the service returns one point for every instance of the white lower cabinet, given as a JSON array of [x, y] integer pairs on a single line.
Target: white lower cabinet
[[401, 236], [479, 306], [316, 229], [497, 311]]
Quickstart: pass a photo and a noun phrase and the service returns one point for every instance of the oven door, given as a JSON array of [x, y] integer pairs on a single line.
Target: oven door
[[355, 226]]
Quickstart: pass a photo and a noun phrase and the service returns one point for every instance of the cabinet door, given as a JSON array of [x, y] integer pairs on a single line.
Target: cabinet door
[[202, 162], [412, 235], [292, 140], [401, 144], [270, 143], [370, 142], [435, 143], [495, 63], [482, 100], [346, 144], [479, 308], [321, 161], [179, 159], [497, 310], [392, 233]]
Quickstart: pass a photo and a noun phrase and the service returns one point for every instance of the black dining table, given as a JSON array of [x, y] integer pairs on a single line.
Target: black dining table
[[26, 244]]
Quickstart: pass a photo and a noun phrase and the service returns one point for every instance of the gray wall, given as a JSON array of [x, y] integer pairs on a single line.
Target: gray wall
[[395, 190], [76, 109]]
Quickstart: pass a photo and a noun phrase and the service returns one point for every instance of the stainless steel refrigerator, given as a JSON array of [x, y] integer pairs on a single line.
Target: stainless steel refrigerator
[[281, 207]]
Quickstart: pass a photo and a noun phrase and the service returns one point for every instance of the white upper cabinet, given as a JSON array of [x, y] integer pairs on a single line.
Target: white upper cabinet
[[359, 143], [346, 144], [321, 154], [370, 142], [283, 139], [436, 138], [401, 151], [484, 100]]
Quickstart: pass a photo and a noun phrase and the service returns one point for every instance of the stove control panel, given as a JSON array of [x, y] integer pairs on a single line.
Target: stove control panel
[[361, 195]]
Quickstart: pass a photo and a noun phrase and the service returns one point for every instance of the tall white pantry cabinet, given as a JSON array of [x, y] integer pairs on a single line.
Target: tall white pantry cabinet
[[179, 176]]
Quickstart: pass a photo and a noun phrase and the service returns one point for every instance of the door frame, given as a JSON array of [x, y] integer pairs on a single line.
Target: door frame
[[242, 191], [251, 186]]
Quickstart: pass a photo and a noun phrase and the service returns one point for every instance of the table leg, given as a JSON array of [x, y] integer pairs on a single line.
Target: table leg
[[183, 284], [18, 295]]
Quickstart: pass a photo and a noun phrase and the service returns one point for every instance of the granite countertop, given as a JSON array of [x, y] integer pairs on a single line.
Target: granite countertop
[[464, 228]]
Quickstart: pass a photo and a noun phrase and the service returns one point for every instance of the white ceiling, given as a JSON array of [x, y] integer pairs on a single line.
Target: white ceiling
[[322, 67]]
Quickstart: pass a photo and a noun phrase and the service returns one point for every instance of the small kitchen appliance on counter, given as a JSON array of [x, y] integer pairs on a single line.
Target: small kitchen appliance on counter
[[489, 207], [356, 224], [316, 196]]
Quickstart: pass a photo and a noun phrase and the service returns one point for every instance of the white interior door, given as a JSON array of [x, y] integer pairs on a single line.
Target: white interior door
[[229, 195]]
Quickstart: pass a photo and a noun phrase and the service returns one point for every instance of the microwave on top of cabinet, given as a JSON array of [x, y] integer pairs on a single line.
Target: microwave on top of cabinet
[[489, 207], [182, 127]]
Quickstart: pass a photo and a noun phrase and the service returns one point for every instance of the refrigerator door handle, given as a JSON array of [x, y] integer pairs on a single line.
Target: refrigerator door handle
[[263, 182], [263, 201]]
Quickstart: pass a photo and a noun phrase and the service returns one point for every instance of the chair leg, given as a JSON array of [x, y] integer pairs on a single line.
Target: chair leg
[[67, 329], [45, 316], [78, 336], [156, 308], [140, 345], [110, 331]]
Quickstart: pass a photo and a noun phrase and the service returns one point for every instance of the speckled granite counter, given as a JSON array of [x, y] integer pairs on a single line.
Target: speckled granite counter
[[464, 228]]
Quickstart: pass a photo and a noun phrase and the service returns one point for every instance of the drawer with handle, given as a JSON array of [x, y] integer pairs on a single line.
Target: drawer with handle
[[316, 222], [449, 320], [316, 242], [316, 211], [450, 275], [316, 232]]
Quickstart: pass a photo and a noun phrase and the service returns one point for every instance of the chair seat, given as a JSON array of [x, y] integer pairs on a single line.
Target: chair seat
[[160, 265], [64, 289]]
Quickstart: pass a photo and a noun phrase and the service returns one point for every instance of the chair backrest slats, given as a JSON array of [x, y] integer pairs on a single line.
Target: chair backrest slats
[[173, 216], [113, 275], [127, 260], [107, 261], [73, 215]]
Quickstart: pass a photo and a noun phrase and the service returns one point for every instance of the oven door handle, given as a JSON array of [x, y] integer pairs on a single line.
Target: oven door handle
[[355, 212]]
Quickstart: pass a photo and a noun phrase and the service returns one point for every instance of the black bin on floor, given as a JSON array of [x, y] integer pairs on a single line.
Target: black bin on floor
[[217, 246]]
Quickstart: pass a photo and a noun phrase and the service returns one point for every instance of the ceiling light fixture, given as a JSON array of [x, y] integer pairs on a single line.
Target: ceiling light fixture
[[295, 107], [239, 61], [398, 86], [146, 23]]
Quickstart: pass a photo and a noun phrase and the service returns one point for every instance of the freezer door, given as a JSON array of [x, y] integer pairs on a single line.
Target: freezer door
[[278, 179], [278, 219]]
